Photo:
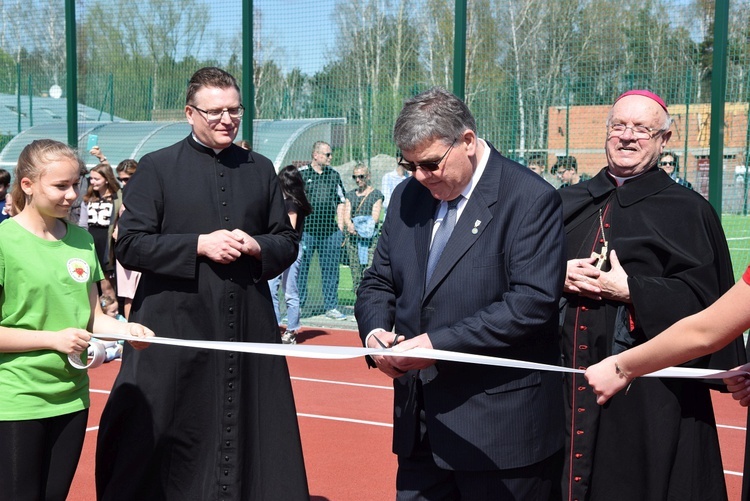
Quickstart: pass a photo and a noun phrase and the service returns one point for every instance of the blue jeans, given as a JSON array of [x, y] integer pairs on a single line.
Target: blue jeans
[[288, 282], [329, 251]]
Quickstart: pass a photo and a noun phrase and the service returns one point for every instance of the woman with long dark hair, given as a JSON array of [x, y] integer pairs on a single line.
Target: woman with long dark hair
[[103, 201], [297, 207]]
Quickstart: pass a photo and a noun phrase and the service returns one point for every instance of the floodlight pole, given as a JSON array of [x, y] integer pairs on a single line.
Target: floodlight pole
[[71, 68], [248, 86], [718, 94], [459, 50]]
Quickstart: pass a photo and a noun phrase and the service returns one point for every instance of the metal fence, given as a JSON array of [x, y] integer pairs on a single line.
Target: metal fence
[[539, 75]]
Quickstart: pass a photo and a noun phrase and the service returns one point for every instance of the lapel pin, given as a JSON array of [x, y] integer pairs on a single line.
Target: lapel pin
[[474, 230]]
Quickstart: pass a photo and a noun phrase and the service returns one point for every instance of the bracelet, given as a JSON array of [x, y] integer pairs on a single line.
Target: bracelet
[[621, 373]]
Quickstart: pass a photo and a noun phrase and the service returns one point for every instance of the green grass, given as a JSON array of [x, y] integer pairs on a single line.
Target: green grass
[[737, 231]]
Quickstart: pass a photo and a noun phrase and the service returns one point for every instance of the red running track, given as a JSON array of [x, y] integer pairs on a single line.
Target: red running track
[[345, 416]]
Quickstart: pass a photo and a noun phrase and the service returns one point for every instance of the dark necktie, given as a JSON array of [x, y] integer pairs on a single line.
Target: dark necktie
[[442, 235]]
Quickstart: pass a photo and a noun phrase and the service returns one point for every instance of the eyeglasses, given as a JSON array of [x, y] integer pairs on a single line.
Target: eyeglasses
[[430, 166], [667, 163], [123, 179], [357, 177], [326, 154], [639, 131], [216, 115]]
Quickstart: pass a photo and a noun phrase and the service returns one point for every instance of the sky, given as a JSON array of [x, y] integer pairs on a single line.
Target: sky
[[299, 32]]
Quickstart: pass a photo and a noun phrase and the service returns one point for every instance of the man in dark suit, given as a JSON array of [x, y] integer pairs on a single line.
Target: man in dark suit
[[468, 431]]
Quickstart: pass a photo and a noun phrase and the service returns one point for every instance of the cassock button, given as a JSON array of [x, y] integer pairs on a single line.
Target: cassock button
[[582, 327], [601, 240], [577, 479], [229, 399], [224, 487], [231, 325], [583, 347], [581, 368], [581, 409], [223, 189], [229, 430], [229, 414], [606, 225], [224, 204], [579, 455], [226, 218], [231, 369], [584, 308], [226, 458], [231, 386], [579, 432], [581, 388], [226, 473], [227, 443], [221, 174]]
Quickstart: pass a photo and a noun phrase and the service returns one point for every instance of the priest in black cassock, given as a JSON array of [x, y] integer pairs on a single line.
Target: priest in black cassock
[[206, 225], [643, 253]]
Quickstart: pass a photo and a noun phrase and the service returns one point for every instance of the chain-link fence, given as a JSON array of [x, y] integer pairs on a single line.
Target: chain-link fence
[[540, 76]]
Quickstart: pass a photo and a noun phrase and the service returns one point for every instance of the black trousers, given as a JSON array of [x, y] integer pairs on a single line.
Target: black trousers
[[38, 457]]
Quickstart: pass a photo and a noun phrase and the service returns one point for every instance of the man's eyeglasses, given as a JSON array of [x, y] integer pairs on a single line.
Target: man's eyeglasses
[[329, 155], [357, 177], [639, 131], [667, 163], [430, 166], [216, 115]]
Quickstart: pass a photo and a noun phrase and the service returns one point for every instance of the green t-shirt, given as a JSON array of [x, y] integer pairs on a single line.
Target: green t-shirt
[[44, 285]]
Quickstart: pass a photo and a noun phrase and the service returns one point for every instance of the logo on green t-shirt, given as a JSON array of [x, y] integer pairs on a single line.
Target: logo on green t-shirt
[[79, 269]]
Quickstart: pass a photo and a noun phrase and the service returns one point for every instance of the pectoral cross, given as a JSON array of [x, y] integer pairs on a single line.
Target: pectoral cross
[[601, 257]]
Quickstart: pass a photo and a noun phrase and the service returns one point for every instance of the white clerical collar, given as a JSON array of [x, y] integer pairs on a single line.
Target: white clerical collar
[[620, 180], [216, 151]]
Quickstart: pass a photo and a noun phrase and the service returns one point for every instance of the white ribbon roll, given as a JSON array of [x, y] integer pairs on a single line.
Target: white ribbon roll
[[96, 356]]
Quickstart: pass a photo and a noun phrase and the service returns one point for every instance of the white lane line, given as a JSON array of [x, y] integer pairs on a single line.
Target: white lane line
[[361, 385], [347, 420], [740, 428]]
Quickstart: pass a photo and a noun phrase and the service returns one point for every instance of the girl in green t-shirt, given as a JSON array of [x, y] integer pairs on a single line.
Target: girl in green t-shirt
[[48, 310]]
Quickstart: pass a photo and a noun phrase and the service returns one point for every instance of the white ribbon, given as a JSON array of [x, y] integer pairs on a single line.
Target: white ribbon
[[346, 352]]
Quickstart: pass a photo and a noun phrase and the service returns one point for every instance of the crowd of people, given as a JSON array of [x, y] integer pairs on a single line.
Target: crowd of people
[[462, 250]]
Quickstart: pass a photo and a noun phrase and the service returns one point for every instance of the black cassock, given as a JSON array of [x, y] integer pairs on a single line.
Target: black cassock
[[657, 442], [189, 424]]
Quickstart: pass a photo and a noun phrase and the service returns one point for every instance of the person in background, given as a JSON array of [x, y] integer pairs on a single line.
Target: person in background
[[206, 226], [361, 218], [297, 208], [112, 349], [566, 170], [244, 144], [670, 163], [127, 280], [103, 200], [48, 298], [470, 259], [4, 185], [391, 179], [642, 254], [324, 228], [537, 163]]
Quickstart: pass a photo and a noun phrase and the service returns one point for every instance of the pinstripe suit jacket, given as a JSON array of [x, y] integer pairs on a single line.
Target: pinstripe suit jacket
[[494, 292]]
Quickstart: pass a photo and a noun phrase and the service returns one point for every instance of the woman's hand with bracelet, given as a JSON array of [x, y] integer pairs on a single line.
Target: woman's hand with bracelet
[[606, 378]]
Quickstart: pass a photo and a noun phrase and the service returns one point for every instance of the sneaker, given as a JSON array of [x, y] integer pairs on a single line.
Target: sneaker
[[289, 337], [335, 314]]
